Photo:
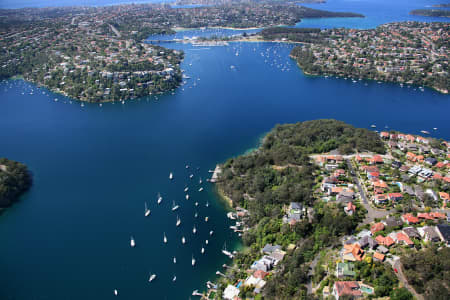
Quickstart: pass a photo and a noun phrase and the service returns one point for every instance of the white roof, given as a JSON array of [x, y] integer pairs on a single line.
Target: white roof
[[252, 281], [230, 292]]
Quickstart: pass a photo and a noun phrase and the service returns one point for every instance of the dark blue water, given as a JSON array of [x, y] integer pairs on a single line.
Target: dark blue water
[[376, 12], [94, 167]]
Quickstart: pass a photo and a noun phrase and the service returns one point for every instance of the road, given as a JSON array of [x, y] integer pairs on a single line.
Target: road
[[396, 264], [371, 212]]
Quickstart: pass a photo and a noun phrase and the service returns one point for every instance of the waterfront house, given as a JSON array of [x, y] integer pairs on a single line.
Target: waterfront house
[[269, 249], [230, 292]]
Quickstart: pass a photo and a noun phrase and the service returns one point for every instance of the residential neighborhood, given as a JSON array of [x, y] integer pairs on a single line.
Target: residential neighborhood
[[401, 212], [409, 53]]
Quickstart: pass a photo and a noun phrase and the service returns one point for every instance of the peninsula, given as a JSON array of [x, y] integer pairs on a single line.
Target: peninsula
[[431, 12], [329, 209], [99, 54], [407, 53], [15, 179]]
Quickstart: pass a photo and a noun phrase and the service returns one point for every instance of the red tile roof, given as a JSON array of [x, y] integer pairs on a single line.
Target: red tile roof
[[403, 237], [378, 256], [347, 288], [426, 216], [410, 219], [260, 274], [376, 227]]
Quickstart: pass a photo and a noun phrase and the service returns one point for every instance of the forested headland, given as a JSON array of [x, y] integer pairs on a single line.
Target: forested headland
[[15, 179], [280, 171]]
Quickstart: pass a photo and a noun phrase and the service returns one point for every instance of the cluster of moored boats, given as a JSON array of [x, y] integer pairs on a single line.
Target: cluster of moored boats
[[175, 207]]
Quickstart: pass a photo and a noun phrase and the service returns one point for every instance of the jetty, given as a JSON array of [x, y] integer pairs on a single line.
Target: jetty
[[215, 175]]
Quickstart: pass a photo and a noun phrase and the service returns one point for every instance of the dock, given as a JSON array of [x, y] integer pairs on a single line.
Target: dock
[[215, 175]]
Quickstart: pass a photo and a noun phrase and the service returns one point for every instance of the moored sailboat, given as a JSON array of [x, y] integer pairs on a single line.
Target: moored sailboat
[[146, 211]]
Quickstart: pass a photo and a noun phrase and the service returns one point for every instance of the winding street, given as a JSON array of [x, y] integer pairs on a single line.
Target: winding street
[[371, 212]]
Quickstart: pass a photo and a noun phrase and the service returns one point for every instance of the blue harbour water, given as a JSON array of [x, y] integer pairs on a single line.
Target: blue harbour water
[[94, 167], [376, 12]]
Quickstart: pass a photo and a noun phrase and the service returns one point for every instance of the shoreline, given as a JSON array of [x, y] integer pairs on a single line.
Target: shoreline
[[443, 92], [62, 93], [180, 29]]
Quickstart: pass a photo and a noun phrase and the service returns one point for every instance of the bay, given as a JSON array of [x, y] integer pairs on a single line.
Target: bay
[[68, 237]]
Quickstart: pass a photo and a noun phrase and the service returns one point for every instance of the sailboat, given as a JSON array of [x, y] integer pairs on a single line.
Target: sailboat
[[207, 204], [174, 206], [187, 197], [186, 189], [206, 219], [170, 176], [194, 230], [152, 277], [191, 176], [178, 221], [200, 189], [226, 252], [193, 260], [206, 242], [159, 198], [174, 260], [116, 292], [165, 238], [146, 211], [203, 250], [183, 240], [200, 181], [174, 278], [211, 232], [195, 215], [132, 242], [196, 203]]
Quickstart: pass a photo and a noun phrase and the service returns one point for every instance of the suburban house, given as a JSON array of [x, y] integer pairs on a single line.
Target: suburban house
[[350, 208], [380, 199], [411, 232], [295, 212], [443, 230], [395, 197], [409, 219], [428, 234], [347, 289], [376, 227], [230, 292], [344, 270]]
